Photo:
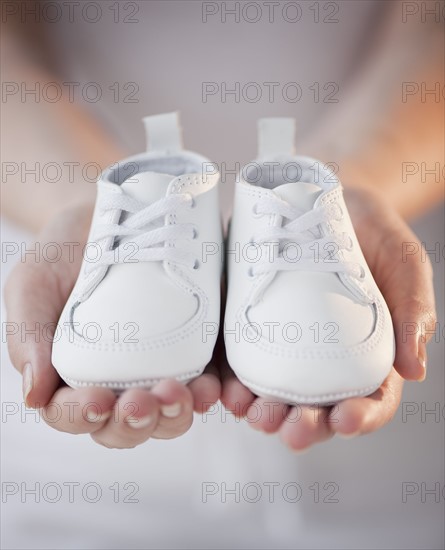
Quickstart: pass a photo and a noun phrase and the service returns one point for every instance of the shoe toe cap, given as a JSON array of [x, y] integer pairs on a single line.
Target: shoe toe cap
[[313, 344], [134, 335]]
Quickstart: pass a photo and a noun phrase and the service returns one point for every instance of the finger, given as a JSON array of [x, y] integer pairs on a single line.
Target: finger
[[266, 415], [33, 305], [176, 409], [79, 411], [134, 419], [361, 415], [403, 272], [235, 397], [409, 293], [414, 324], [206, 389], [304, 426]]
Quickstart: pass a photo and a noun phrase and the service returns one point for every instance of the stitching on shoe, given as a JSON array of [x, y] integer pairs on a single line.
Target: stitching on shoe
[[90, 282], [331, 198], [134, 383], [160, 341], [327, 397], [252, 192], [144, 344], [318, 353], [183, 181], [314, 352]]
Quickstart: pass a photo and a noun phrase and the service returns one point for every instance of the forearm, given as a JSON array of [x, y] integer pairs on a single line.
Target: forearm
[[403, 156], [51, 152], [381, 136]]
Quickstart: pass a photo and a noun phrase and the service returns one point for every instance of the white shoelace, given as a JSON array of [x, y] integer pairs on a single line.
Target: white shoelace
[[142, 225], [314, 254]]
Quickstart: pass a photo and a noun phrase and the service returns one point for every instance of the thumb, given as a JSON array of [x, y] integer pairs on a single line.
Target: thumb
[[410, 298], [33, 304]]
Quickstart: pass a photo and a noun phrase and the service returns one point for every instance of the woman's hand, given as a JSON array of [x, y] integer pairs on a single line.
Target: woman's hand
[[405, 280], [37, 291], [35, 295]]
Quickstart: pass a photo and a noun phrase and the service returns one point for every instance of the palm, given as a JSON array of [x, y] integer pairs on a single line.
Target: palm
[[381, 234], [169, 405]]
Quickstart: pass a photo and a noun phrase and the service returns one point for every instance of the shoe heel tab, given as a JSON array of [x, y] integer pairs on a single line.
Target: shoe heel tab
[[163, 133], [276, 136]]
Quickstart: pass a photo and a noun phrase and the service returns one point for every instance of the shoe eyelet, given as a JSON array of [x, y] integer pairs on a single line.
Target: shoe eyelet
[[340, 213], [250, 272], [362, 273], [192, 200], [350, 245], [195, 233], [255, 212], [196, 264]]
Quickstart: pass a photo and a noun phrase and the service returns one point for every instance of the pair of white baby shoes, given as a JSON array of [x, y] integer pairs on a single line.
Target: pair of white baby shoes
[[304, 320]]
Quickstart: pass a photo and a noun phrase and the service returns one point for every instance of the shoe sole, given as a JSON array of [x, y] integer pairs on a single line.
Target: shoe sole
[[118, 387], [294, 399]]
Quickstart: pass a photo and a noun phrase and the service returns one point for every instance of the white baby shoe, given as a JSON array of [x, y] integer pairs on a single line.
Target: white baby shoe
[[146, 305], [305, 321]]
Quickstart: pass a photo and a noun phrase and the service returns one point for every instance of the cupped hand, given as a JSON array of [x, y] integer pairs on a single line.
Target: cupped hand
[[404, 276], [35, 295]]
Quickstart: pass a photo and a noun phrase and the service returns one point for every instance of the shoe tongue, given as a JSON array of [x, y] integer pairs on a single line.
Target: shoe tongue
[[299, 194], [147, 187]]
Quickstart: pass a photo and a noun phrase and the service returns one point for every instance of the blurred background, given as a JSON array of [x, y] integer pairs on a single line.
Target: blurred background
[[77, 77]]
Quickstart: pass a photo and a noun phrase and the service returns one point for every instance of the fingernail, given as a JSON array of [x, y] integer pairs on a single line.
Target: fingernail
[[96, 417], [139, 423], [26, 382], [171, 411], [423, 375], [421, 357]]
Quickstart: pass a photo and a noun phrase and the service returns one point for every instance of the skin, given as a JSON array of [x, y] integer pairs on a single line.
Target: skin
[[369, 139], [46, 390], [407, 288], [408, 291]]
